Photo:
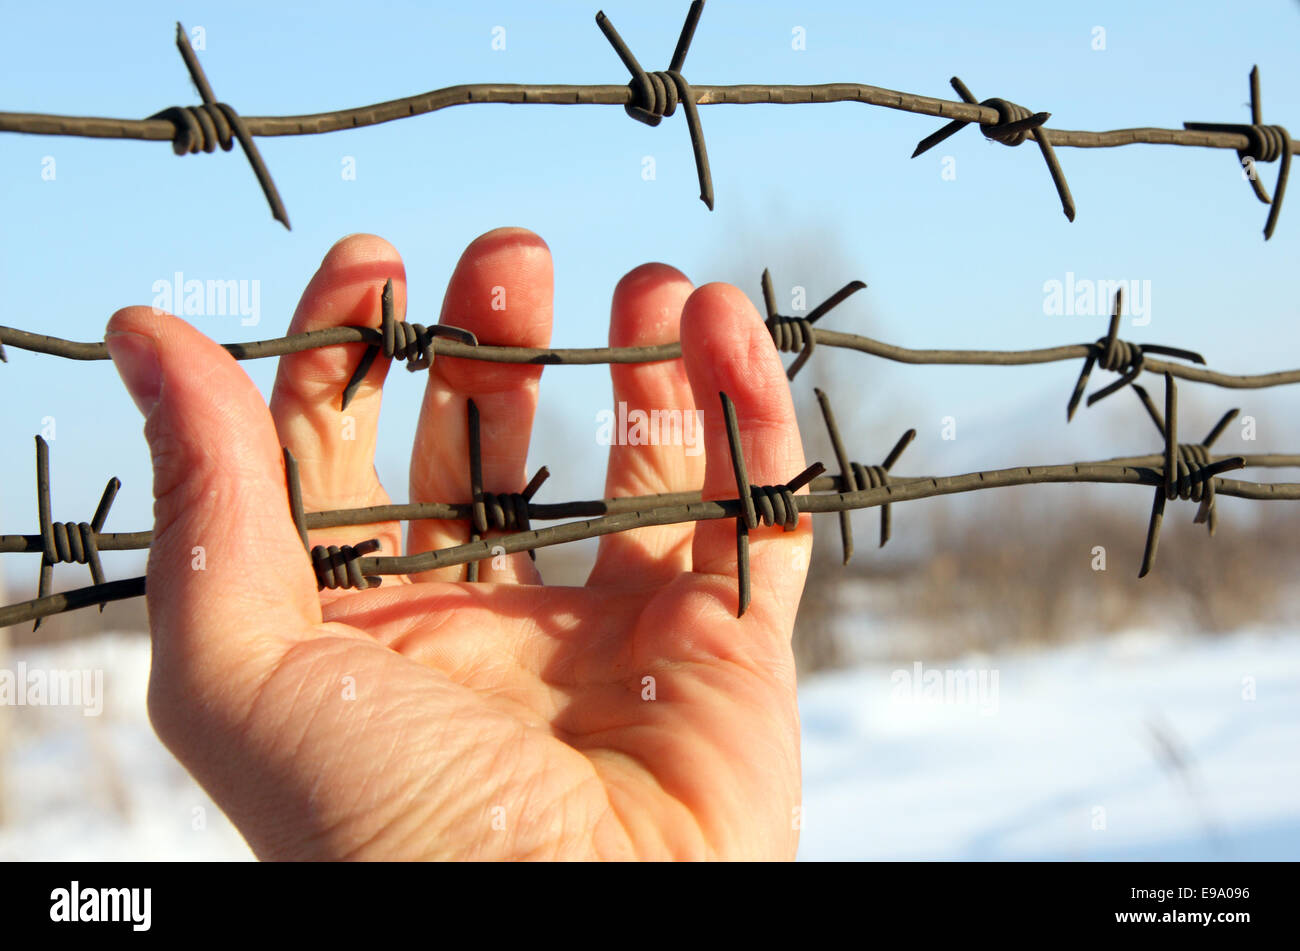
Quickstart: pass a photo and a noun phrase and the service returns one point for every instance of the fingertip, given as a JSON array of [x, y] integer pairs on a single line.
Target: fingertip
[[647, 305], [727, 346], [136, 319], [512, 238], [359, 246]]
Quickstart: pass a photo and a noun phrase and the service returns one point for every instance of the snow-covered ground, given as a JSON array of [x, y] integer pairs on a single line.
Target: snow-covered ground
[[1140, 746]]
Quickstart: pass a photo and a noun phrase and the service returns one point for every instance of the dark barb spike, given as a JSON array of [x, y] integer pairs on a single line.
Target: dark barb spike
[[1190, 355], [830, 303], [1219, 427], [846, 471], [105, 503], [738, 459], [1116, 311], [401, 340], [1153, 533], [526, 496], [1127, 377], [1151, 409], [687, 34], [769, 295], [88, 532], [1014, 125], [48, 555], [368, 358], [236, 124], [934, 138], [749, 515], [479, 512], [803, 478], [70, 541], [535, 483], [656, 95], [295, 496], [1080, 385], [959, 87], [791, 334], [1266, 143], [1171, 436], [904, 441]]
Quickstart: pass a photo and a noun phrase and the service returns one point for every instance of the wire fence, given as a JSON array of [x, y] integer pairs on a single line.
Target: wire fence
[[501, 522], [649, 97]]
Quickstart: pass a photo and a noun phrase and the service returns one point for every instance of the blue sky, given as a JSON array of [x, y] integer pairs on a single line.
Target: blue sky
[[825, 190]]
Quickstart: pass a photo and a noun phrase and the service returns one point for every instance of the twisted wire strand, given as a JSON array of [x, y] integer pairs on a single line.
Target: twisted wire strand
[[648, 97], [855, 477], [461, 344], [339, 566], [1013, 125], [70, 542], [796, 334], [697, 511], [203, 127], [1264, 143], [1119, 356], [401, 340], [655, 95]]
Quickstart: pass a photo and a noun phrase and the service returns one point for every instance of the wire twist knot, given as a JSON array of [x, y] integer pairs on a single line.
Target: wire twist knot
[[1264, 143], [401, 340], [72, 542], [773, 505], [212, 123], [656, 94], [1267, 142], [503, 511], [67, 542], [1192, 485], [1119, 356], [1015, 124], [338, 566], [201, 128], [1011, 128], [792, 335], [796, 334]]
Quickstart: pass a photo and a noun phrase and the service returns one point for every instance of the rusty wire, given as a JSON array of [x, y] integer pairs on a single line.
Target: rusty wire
[[418, 345], [650, 96], [1186, 472]]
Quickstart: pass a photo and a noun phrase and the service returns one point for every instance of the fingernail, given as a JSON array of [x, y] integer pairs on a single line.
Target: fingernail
[[136, 360]]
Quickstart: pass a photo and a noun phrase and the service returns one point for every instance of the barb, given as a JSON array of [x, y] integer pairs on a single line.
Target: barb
[[1192, 457], [1119, 356], [1265, 143], [655, 95], [428, 342], [401, 341], [1186, 474], [856, 477], [898, 490], [791, 334], [1014, 124], [67, 541], [648, 97], [203, 128]]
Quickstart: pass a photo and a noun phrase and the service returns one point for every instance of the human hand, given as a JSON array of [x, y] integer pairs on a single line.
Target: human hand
[[498, 720]]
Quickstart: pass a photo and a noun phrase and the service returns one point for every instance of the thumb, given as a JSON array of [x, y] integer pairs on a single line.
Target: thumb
[[229, 585]]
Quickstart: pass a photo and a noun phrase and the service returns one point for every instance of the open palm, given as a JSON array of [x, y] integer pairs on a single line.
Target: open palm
[[636, 716]]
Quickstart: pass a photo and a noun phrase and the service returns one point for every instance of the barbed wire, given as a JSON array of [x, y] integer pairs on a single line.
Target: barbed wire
[[651, 96], [417, 345], [1185, 471]]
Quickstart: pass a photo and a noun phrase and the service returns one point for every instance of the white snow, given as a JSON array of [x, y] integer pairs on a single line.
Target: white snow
[[1073, 738]]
